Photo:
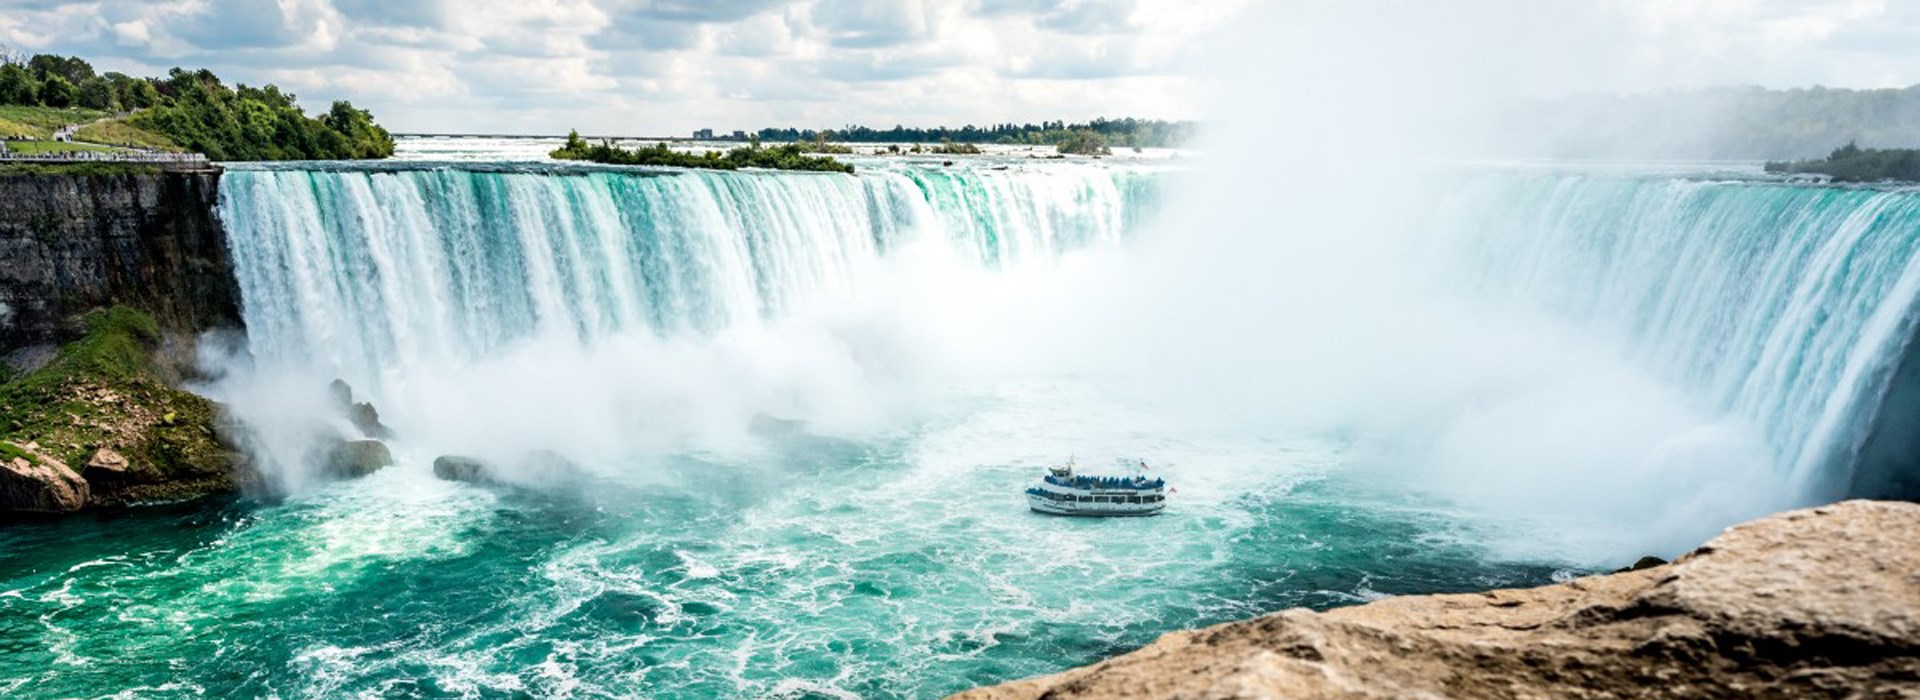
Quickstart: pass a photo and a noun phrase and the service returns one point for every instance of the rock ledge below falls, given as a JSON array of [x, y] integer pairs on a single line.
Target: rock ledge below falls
[[1817, 603]]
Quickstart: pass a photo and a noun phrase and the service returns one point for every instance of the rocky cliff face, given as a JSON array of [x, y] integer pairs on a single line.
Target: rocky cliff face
[[72, 242], [1820, 603]]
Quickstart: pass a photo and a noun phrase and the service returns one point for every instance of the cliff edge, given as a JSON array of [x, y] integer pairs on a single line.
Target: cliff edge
[[1817, 603], [73, 242]]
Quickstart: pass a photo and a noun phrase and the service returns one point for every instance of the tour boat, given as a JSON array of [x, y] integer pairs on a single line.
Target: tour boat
[[1062, 492]]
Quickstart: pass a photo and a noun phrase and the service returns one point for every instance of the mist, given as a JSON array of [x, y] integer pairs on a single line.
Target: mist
[[1300, 281]]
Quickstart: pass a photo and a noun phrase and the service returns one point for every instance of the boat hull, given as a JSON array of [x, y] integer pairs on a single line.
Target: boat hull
[[1093, 510]]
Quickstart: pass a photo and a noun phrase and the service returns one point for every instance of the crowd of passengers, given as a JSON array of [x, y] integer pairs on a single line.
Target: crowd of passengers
[[1107, 482]]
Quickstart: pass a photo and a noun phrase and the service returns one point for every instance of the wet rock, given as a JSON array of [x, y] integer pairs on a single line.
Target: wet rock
[[33, 482], [107, 466], [367, 420], [353, 459], [1823, 602], [1642, 563], [467, 469], [341, 394]]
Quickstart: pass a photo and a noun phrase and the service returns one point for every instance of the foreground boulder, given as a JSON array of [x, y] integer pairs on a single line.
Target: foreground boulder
[[1818, 603], [32, 482], [467, 469], [352, 459]]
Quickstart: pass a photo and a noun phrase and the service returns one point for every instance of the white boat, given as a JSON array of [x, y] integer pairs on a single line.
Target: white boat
[[1063, 492]]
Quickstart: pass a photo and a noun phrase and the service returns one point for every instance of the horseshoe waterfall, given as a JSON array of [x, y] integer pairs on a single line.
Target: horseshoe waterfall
[[757, 434]]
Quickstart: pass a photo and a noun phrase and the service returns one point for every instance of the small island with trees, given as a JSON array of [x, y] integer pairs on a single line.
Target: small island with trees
[[1851, 163], [792, 156], [53, 106]]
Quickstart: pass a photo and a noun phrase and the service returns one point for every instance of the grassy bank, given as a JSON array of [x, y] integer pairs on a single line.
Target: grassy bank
[[104, 390]]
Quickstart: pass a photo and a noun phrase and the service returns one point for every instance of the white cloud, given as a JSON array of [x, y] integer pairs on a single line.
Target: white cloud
[[668, 66]]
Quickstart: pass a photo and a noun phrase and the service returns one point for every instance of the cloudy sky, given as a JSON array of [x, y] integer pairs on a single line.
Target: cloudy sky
[[669, 66]]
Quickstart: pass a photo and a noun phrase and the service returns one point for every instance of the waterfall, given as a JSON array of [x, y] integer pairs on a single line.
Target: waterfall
[[1785, 305], [358, 269]]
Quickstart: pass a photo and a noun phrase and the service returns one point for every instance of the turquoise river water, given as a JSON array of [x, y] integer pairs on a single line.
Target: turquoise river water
[[797, 446]]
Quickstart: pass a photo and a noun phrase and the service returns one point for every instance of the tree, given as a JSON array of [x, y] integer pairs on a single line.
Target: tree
[[139, 94], [17, 86], [72, 68], [97, 93], [58, 92], [1085, 143]]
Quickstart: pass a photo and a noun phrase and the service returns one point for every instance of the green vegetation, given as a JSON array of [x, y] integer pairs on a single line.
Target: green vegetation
[[1084, 143], [787, 157], [38, 147], [83, 168], [47, 119], [105, 390], [1851, 163], [822, 143], [245, 123], [10, 130], [949, 148], [1137, 133], [120, 132], [190, 109]]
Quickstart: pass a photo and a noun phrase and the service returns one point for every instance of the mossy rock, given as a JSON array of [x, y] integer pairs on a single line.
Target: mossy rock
[[104, 390]]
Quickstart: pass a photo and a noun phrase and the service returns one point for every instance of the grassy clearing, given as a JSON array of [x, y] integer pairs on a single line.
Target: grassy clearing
[[10, 129], [119, 132], [82, 168], [49, 117], [37, 147]]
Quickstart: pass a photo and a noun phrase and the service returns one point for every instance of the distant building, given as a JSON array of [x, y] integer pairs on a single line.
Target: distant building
[[739, 136], [703, 135]]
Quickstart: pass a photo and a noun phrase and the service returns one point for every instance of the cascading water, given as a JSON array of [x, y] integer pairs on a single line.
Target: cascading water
[[494, 309], [1785, 305], [354, 270]]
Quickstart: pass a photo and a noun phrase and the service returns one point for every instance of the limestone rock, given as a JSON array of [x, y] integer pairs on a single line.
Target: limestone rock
[[467, 469], [107, 466], [33, 482], [353, 459], [1817, 603]]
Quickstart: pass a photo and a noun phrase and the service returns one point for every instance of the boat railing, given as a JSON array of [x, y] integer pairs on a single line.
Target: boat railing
[[1106, 482]]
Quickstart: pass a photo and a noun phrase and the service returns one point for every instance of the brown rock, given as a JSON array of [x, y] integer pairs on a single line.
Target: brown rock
[[1818, 603], [32, 482], [107, 466]]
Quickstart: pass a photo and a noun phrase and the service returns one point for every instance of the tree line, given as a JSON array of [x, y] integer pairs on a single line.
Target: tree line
[[197, 111], [1126, 133], [1851, 163], [792, 156]]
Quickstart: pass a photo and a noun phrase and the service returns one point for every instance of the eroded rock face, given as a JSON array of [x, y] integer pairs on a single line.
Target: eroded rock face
[[73, 242], [32, 482], [1818, 603]]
